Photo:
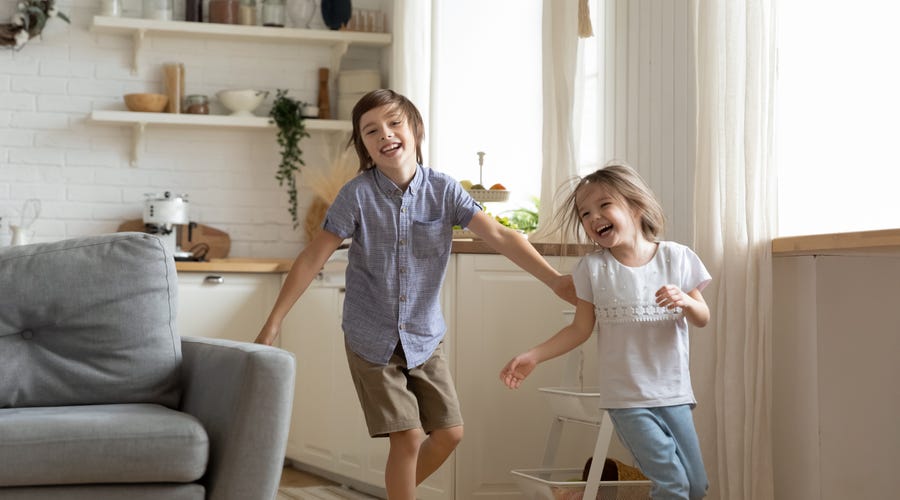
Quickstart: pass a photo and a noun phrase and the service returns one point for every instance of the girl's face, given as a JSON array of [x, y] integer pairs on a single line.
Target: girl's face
[[388, 139], [606, 217]]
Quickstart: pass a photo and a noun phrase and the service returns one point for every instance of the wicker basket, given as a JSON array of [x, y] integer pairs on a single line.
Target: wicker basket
[[489, 195]]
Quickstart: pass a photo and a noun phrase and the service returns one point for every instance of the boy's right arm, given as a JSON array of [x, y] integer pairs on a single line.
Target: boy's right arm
[[565, 340], [305, 268]]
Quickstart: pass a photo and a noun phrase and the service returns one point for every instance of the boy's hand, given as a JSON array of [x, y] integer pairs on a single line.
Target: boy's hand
[[564, 287], [517, 369]]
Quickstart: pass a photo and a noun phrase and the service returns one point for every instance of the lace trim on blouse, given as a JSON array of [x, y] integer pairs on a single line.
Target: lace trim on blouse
[[636, 313]]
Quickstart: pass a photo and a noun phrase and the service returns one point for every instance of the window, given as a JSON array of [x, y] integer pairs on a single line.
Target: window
[[487, 95], [838, 109]]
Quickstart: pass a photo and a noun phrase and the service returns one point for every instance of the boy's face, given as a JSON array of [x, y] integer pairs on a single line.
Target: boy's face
[[388, 138]]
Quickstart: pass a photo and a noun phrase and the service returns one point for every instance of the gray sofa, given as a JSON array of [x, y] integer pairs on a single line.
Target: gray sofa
[[100, 398]]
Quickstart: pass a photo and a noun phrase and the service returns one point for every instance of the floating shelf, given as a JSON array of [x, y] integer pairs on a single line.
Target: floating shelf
[[140, 121], [140, 29]]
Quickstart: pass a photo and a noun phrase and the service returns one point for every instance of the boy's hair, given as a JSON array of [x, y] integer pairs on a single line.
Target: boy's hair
[[626, 184], [378, 98]]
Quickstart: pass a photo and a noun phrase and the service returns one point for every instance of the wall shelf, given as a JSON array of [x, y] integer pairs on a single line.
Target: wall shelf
[[141, 29], [140, 121]]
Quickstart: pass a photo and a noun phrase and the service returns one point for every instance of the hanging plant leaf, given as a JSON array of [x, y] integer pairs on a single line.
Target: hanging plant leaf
[[336, 13], [286, 115]]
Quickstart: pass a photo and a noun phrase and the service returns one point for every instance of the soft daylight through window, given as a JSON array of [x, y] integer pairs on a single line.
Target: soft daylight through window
[[837, 105]]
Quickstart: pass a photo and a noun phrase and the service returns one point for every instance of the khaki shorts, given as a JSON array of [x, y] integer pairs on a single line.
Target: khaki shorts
[[394, 398]]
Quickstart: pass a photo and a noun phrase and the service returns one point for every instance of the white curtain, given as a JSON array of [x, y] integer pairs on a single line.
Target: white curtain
[[734, 221], [560, 55], [411, 68]]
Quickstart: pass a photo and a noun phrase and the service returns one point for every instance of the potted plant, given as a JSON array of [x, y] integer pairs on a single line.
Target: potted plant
[[287, 115], [28, 21]]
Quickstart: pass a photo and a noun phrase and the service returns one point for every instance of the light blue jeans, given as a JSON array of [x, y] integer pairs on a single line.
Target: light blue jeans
[[666, 449]]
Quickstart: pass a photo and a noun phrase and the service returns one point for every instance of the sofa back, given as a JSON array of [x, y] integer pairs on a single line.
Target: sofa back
[[89, 321]]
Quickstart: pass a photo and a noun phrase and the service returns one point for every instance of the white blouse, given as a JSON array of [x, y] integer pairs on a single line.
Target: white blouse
[[643, 349]]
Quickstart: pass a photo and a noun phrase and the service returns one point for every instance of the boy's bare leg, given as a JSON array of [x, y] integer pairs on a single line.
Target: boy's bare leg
[[435, 449], [411, 459], [400, 471]]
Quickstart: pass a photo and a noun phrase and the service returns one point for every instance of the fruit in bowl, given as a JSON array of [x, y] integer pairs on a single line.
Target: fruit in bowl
[[498, 187], [242, 102], [146, 103]]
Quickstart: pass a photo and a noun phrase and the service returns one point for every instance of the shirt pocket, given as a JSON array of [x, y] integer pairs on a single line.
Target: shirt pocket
[[429, 239]]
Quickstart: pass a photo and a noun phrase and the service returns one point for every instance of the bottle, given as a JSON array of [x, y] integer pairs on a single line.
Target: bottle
[[174, 83], [247, 12], [197, 104], [193, 10], [273, 13], [224, 11]]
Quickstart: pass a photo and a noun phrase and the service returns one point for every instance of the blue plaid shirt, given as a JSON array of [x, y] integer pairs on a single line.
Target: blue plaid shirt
[[396, 263]]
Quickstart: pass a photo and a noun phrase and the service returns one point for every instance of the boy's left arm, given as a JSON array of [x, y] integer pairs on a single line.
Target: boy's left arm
[[517, 249]]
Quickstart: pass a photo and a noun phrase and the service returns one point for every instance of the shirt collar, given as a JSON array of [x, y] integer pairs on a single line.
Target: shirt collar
[[388, 187]]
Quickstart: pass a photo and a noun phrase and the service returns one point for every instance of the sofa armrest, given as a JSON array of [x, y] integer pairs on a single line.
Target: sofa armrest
[[242, 394]]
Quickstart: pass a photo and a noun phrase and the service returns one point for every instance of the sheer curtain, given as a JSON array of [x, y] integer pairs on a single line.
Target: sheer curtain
[[560, 54], [734, 221]]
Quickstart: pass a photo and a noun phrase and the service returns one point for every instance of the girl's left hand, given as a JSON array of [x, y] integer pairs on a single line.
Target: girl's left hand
[[670, 297]]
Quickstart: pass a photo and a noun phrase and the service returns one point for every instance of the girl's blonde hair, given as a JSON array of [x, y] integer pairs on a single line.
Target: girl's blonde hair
[[378, 98], [625, 183]]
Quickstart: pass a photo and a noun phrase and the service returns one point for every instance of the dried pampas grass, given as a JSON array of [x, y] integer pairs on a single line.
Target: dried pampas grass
[[326, 182]]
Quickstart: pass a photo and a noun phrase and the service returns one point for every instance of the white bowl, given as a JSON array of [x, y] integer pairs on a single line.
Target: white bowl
[[242, 102]]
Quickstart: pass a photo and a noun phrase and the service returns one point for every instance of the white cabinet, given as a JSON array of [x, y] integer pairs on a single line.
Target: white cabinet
[[328, 431], [230, 306], [501, 311]]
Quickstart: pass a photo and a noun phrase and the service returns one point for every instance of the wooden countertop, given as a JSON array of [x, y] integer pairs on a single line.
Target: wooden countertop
[[885, 241], [262, 265], [237, 265]]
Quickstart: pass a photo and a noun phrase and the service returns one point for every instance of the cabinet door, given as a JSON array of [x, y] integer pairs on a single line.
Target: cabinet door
[[500, 312], [230, 306]]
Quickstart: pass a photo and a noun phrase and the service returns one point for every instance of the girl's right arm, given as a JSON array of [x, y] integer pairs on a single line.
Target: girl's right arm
[[305, 268], [564, 341]]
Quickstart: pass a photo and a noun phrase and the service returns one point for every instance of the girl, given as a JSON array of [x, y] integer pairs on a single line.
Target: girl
[[400, 216], [642, 293]]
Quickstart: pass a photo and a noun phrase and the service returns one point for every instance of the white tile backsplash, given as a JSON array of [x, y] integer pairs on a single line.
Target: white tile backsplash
[[81, 171]]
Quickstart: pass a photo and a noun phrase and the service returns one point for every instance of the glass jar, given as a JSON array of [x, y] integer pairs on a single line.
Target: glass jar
[[273, 13], [247, 12], [197, 104], [223, 11], [158, 9]]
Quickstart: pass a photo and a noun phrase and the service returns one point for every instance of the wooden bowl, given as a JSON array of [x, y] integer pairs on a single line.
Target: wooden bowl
[[152, 103]]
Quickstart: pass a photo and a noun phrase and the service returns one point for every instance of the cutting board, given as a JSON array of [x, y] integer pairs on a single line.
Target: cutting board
[[218, 241]]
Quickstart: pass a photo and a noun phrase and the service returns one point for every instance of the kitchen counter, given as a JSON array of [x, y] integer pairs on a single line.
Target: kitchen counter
[[885, 241], [237, 265], [261, 265]]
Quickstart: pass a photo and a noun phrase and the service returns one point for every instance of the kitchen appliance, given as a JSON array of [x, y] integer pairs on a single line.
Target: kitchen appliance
[[164, 214]]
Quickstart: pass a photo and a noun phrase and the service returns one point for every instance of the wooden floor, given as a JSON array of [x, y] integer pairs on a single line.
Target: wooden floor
[[291, 477]]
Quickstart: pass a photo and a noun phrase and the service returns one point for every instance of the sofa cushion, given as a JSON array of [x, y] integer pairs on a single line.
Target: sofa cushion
[[132, 443], [88, 321]]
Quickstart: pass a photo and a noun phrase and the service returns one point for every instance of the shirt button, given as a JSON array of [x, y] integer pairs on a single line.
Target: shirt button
[[403, 209], [402, 270], [401, 326], [403, 298], [402, 242]]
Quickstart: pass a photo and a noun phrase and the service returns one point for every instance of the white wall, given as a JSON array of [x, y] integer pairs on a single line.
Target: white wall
[[650, 101], [835, 369], [80, 171]]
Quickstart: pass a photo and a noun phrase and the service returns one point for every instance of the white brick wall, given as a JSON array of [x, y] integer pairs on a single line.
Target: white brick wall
[[80, 171]]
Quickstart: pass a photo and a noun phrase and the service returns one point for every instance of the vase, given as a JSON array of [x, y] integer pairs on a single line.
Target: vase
[[300, 12]]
